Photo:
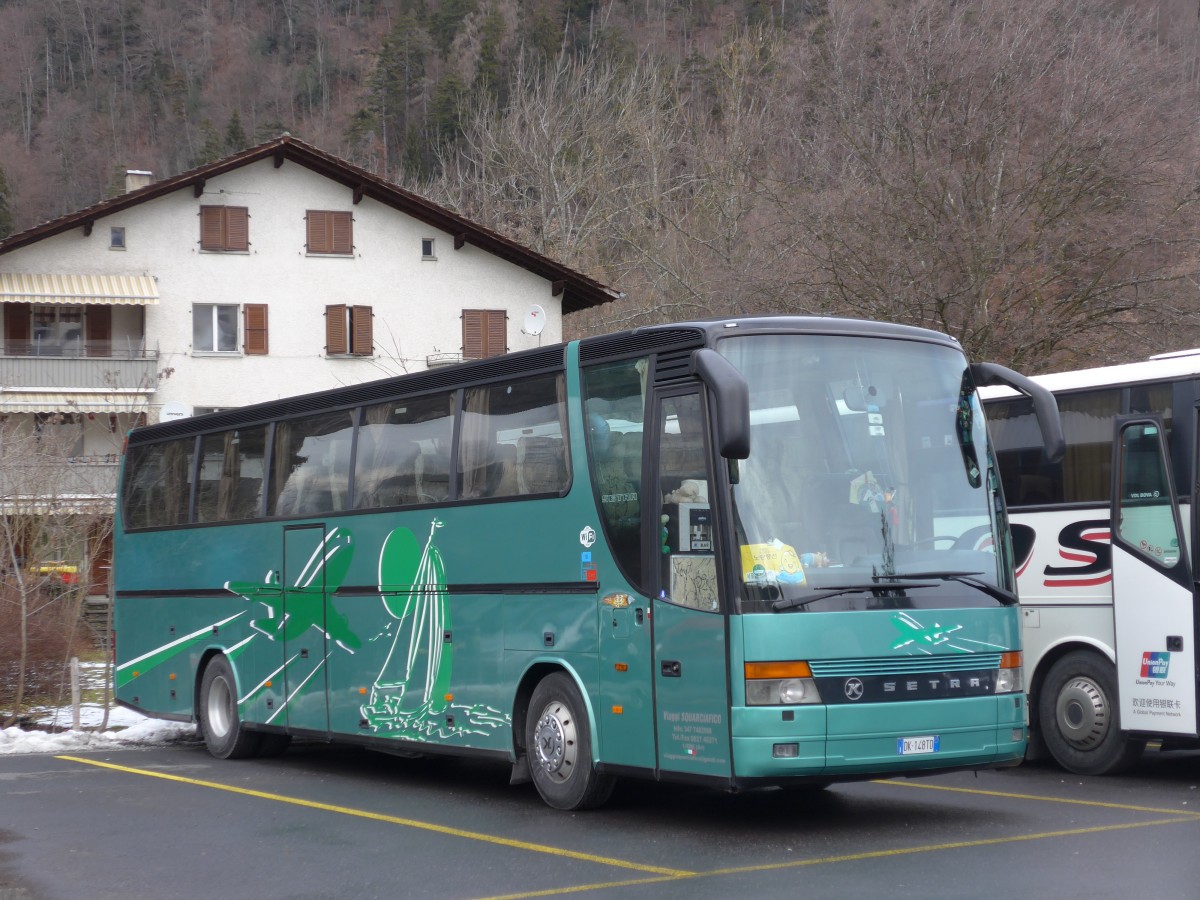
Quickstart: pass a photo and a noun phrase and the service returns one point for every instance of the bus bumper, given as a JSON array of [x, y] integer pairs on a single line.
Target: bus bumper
[[844, 740]]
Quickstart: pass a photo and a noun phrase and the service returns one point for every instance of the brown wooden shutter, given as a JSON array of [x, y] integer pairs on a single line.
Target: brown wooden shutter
[[17, 328], [318, 231], [364, 337], [237, 228], [98, 330], [341, 228], [224, 228], [254, 329], [212, 228], [335, 330], [497, 333], [472, 325]]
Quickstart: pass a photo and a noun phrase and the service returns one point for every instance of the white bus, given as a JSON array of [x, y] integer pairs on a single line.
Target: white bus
[[1103, 541]]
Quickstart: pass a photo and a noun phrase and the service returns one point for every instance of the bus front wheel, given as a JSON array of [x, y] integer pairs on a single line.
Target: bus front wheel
[[1078, 717], [225, 736], [558, 743]]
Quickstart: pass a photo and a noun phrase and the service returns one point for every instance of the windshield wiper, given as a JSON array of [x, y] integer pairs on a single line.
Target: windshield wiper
[[837, 590], [1008, 598]]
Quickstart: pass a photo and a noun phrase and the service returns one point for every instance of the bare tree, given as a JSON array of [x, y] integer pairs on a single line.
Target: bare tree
[[1019, 175], [49, 514]]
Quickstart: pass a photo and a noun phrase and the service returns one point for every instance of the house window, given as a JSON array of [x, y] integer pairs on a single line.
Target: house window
[[214, 328], [348, 331], [330, 231], [224, 228], [427, 249], [254, 329], [485, 333], [57, 331], [116, 238]]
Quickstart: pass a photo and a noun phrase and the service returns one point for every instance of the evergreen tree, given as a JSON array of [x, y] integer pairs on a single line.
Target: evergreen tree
[[235, 135]]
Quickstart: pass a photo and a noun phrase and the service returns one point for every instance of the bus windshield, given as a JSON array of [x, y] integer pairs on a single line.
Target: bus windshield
[[870, 482]]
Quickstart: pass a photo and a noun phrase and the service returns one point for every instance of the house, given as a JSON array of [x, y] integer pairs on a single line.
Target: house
[[276, 271]]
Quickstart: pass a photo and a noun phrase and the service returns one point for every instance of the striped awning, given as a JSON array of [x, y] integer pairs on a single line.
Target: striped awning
[[72, 402], [127, 290]]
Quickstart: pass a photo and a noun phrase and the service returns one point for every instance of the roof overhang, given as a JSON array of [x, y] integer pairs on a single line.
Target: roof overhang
[[120, 290]]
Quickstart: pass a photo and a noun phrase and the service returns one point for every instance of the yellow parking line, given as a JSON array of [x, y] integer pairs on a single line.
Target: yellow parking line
[[850, 857], [394, 820], [1126, 807]]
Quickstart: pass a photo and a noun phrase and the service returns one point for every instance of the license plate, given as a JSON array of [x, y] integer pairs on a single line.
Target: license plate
[[911, 746]]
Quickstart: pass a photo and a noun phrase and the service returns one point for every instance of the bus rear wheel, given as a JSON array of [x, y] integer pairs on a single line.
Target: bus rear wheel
[[559, 746], [225, 736], [1078, 717]]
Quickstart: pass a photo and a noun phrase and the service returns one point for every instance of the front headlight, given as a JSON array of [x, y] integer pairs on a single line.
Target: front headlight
[[780, 684], [1009, 679]]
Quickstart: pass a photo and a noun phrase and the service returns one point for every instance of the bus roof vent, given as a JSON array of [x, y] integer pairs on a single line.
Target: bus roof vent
[[672, 365], [638, 343]]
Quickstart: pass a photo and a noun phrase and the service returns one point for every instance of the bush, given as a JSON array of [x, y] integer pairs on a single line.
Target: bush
[[55, 634]]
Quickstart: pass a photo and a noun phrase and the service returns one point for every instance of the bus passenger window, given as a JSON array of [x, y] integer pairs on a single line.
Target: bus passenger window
[[310, 469], [158, 484], [402, 457], [512, 439], [231, 475]]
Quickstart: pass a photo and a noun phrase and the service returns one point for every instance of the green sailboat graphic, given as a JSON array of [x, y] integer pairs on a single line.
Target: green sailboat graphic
[[411, 697], [412, 585]]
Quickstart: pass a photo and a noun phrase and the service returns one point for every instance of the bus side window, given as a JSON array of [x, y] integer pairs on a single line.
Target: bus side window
[[614, 403], [401, 450], [231, 475], [512, 439], [158, 484], [310, 472]]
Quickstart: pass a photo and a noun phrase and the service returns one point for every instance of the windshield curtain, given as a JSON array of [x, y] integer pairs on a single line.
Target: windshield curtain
[[869, 463]]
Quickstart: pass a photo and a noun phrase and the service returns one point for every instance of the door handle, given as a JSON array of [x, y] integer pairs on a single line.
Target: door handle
[[639, 615], [670, 668]]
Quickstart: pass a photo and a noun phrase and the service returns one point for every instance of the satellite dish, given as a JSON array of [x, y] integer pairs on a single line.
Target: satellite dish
[[535, 320], [173, 410]]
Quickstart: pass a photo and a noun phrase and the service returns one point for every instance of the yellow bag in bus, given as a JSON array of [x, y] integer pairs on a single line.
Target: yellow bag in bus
[[771, 563]]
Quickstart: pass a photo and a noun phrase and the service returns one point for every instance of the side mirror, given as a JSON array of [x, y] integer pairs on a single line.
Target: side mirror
[[1045, 407], [731, 401]]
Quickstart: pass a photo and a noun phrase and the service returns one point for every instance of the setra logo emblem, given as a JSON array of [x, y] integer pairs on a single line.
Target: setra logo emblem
[[853, 689]]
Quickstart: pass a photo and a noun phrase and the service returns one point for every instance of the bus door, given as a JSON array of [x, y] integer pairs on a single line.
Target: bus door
[[1153, 596], [691, 684], [305, 643]]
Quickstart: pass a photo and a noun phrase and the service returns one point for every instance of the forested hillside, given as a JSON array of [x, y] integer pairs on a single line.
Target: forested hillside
[[1022, 175]]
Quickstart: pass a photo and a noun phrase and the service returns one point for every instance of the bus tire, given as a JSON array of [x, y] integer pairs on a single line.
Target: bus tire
[[225, 736], [559, 747], [1078, 717]]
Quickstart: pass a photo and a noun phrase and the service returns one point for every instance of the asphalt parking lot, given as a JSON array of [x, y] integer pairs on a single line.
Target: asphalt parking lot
[[171, 822]]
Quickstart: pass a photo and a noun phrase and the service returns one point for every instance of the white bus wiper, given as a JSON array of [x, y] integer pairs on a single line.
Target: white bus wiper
[[837, 590], [1008, 598]]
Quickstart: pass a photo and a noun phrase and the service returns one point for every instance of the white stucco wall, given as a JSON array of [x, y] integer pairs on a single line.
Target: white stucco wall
[[417, 303]]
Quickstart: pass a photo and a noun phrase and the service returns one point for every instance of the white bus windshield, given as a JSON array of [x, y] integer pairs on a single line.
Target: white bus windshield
[[870, 481]]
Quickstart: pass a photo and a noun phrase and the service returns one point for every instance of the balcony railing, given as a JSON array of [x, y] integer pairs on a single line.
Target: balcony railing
[[50, 484], [121, 369]]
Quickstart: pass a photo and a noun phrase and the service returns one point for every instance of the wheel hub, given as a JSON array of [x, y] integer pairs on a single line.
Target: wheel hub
[[554, 741], [1083, 713]]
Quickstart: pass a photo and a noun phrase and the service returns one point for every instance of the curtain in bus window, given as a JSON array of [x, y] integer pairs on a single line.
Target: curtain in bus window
[[177, 468], [1088, 421], [473, 443]]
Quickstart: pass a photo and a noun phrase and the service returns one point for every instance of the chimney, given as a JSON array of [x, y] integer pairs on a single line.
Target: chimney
[[137, 178]]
